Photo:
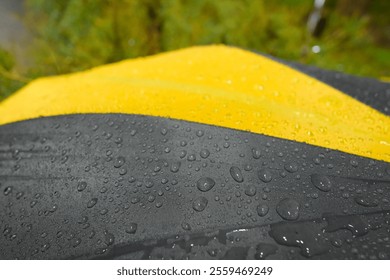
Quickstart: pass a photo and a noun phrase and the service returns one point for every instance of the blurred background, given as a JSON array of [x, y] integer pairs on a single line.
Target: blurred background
[[42, 37]]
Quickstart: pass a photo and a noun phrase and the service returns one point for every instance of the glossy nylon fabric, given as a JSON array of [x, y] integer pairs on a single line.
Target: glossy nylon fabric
[[215, 85], [139, 187]]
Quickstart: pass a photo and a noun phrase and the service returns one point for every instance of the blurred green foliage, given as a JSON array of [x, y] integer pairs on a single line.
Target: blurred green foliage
[[72, 35], [9, 81]]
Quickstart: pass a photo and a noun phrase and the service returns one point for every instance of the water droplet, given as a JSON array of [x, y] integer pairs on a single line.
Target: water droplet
[[321, 182], [200, 204], [123, 171], [132, 228], [19, 195], [119, 162], [186, 226], [337, 243], [45, 247], [288, 209], [191, 157], [92, 234], [76, 242], [354, 223], [236, 174], [7, 231], [204, 153], [164, 131], [263, 250], [291, 167], [81, 186], [265, 175], [256, 153], [305, 235], [199, 133], [366, 202], [53, 208], [83, 220], [212, 253], [354, 163], [109, 238], [262, 210], [205, 184], [250, 190], [382, 256], [183, 154], [92, 202], [29, 227], [248, 167], [7, 190], [175, 167]]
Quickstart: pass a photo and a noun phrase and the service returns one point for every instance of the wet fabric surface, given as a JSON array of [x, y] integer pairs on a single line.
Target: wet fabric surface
[[139, 187]]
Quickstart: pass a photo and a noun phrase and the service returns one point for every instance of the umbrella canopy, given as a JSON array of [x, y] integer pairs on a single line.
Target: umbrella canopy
[[202, 153], [214, 85]]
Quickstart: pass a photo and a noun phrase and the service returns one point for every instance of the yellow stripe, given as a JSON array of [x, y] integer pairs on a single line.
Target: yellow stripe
[[214, 85], [385, 79]]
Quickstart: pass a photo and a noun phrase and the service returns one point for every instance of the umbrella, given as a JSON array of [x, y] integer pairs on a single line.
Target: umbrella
[[209, 144]]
